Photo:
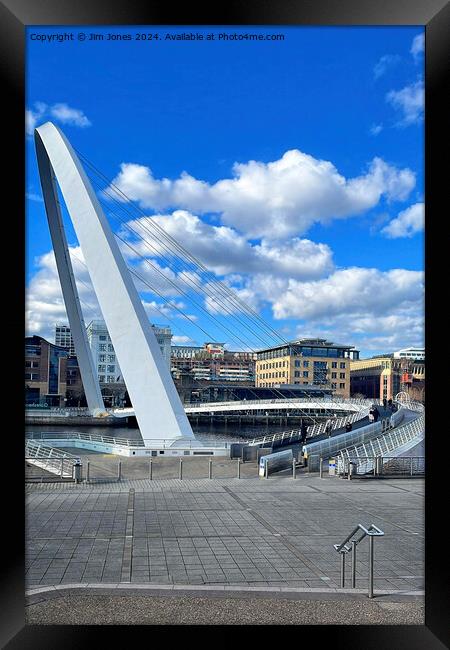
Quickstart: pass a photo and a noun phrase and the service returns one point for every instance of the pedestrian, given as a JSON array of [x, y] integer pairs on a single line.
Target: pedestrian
[[384, 402], [328, 429], [376, 414], [390, 403], [371, 415], [348, 427]]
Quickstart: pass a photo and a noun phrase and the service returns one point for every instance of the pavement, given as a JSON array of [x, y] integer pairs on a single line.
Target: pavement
[[232, 550]]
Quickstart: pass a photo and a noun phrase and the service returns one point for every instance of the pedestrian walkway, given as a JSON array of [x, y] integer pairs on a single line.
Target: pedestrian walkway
[[269, 533]]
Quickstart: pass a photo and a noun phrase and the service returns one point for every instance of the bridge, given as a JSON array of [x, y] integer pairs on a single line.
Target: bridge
[[161, 417]]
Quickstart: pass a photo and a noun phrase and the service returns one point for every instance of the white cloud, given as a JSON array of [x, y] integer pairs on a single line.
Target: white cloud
[[347, 291], [375, 129], [32, 117], [223, 250], [272, 200], [60, 112], [34, 197], [67, 115], [44, 300], [182, 340], [410, 102], [385, 62], [407, 223], [418, 46]]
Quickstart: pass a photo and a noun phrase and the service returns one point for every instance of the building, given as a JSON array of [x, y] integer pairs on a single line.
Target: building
[[185, 351], [63, 338], [316, 362], [382, 377], [45, 372], [213, 362], [410, 353], [105, 360], [108, 369], [164, 337]]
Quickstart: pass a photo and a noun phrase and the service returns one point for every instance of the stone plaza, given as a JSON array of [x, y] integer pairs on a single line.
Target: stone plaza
[[233, 537]]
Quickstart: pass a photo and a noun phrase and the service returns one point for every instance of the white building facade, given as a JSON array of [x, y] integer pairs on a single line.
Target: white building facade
[[105, 359], [410, 353]]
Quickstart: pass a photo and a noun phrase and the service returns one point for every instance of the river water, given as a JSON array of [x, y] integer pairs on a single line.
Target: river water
[[233, 432]]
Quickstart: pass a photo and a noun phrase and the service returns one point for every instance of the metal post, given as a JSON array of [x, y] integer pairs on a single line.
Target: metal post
[[293, 468], [266, 470], [62, 467], [239, 468], [150, 470], [353, 564], [181, 469], [321, 467], [370, 566], [210, 468], [411, 465], [87, 471], [342, 568], [119, 470], [350, 469]]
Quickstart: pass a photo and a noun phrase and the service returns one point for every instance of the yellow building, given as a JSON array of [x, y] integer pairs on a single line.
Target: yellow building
[[315, 362], [385, 376]]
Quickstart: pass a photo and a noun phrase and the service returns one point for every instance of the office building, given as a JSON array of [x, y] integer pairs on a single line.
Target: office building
[[316, 362], [63, 338]]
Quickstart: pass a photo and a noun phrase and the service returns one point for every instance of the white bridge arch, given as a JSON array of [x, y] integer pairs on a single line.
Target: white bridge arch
[[156, 403]]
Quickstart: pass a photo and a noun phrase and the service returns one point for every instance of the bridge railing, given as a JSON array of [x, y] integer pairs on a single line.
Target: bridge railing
[[76, 435], [364, 455], [49, 459]]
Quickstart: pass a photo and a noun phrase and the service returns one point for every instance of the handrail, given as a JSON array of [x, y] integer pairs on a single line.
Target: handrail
[[343, 549]]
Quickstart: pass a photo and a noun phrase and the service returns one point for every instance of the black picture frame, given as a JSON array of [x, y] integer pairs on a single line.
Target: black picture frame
[[15, 16]]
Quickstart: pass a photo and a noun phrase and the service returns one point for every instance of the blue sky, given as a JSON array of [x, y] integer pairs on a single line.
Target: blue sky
[[322, 233]]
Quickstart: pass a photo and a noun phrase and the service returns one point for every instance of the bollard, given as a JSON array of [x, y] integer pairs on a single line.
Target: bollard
[[150, 470], [239, 468], [119, 470], [181, 469], [371, 566], [77, 471], [293, 468], [87, 471], [350, 470], [321, 467], [411, 465], [353, 564], [62, 467], [210, 468]]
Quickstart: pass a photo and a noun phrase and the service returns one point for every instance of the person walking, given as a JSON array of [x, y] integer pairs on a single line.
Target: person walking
[[328, 429], [371, 416], [348, 427]]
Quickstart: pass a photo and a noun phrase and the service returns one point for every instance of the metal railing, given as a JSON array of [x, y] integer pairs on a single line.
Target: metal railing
[[91, 437], [344, 548], [49, 459], [364, 455]]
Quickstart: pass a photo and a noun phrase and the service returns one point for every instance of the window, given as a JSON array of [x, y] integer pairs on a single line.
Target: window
[[110, 379], [102, 347], [111, 368], [102, 338], [333, 375], [296, 373], [102, 358], [101, 378], [297, 364], [101, 368], [342, 364], [305, 373], [342, 375], [341, 385], [333, 386], [110, 348], [334, 364], [306, 364]]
